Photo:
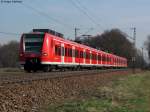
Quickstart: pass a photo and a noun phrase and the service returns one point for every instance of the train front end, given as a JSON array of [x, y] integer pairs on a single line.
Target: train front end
[[31, 50]]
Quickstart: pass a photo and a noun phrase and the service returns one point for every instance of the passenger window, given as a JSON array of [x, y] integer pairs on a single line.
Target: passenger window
[[76, 53], [57, 50], [66, 52], [62, 50], [81, 54], [70, 52]]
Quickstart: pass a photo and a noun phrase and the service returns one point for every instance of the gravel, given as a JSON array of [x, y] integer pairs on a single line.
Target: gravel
[[31, 96]]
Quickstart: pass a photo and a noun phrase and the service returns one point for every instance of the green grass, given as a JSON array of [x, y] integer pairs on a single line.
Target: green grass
[[126, 94]]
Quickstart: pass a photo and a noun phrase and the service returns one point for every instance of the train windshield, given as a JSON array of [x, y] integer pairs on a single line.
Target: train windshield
[[33, 42]]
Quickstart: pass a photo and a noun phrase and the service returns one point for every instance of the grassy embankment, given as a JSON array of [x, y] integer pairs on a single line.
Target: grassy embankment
[[126, 94]]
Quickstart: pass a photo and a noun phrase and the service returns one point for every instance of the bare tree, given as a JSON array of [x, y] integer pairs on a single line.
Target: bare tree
[[115, 42], [9, 54], [147, 45]]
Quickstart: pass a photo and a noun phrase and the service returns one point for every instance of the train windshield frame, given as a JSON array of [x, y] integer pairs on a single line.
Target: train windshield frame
[[33, 42]]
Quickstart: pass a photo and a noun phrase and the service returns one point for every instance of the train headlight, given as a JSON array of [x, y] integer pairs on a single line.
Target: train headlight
[[44, 54], [21, 54]]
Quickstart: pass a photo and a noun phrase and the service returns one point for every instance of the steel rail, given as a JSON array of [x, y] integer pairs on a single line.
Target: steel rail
[[29, 77]]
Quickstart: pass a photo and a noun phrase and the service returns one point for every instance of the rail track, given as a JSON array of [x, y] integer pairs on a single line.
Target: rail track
[[21, 77]]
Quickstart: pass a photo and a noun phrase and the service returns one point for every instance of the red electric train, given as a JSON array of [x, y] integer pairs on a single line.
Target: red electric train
[[45, 49]]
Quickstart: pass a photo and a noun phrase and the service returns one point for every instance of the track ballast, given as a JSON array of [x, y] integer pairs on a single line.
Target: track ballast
[[21, 77]]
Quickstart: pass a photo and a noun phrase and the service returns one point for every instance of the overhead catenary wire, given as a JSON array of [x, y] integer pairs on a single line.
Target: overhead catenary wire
[[96, 18], [50, 18], [89, 12], [9, 33], [43, 15], [82, 9], [90, 29]]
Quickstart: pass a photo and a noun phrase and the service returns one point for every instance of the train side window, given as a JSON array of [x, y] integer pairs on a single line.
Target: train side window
[[90, 55], [99, 57], [93, 56], [62, 51], [70, 52], [66, 51], [103, 58], [87, 55], [96, 56], [108, 59], [81, 54], [84, 54], [76, 53], [57, 50]]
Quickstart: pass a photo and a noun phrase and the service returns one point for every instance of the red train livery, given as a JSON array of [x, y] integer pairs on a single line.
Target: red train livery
[[45, 49]]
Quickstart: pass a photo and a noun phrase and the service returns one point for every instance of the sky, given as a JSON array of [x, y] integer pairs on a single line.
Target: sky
[[92, 16]]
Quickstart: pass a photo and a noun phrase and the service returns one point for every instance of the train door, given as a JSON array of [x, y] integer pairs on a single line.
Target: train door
[[112, 60], [62, 53], [90, 57], [108, 60], [99, 58], [77, 58], [94, 58], [68, 53], [73, 54], [81, 56], [57, 52], [87, 57], [103, 59], [84, 56]]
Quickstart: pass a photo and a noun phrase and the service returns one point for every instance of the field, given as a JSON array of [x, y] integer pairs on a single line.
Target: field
[[125, 94]]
